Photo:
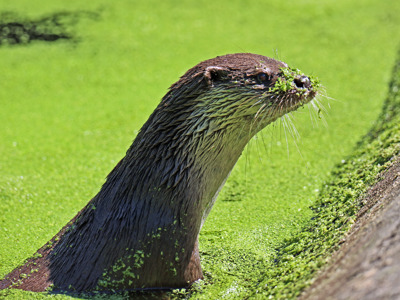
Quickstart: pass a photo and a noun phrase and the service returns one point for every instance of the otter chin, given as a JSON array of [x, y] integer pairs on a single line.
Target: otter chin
[[141, 230]]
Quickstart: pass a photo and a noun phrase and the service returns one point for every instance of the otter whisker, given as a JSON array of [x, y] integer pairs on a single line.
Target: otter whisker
[[292, 127], [313, 115], [318, 104], [256, 103], [283, 123], [297, 134], [318, 111], [267, 115], [261, 120], [259, 110], [289, 127]]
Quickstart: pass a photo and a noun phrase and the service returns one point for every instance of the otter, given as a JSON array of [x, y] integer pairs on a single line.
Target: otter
[[141, 230]]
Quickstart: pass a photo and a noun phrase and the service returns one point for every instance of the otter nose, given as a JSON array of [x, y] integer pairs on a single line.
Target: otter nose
[[302, 82]]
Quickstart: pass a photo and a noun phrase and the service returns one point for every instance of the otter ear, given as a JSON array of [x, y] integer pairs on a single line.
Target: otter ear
[[214, 73]]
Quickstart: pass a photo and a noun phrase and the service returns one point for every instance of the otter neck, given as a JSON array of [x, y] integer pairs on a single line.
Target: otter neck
[[185, 159]]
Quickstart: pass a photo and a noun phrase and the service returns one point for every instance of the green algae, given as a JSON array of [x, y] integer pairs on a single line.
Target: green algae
[[61, 137], [126, 266], [286, 83]]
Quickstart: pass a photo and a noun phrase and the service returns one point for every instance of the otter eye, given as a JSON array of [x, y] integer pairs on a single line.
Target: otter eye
[[262, 78]]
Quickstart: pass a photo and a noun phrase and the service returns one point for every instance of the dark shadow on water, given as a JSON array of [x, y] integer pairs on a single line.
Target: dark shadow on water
[[15, 30]]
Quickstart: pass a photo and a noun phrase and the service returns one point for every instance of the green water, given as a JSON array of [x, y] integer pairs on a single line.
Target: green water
[[69, 110]]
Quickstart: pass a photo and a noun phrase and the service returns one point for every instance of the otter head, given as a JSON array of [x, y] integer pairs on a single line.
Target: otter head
[[243, 88]]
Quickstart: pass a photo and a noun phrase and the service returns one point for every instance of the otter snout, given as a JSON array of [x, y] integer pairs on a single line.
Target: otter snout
[[302, 82]]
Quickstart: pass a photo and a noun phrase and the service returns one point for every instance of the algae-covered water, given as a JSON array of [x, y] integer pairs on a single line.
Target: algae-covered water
[[69, 109]]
